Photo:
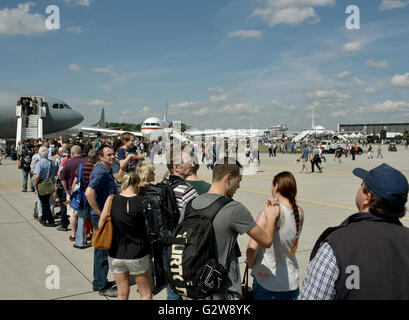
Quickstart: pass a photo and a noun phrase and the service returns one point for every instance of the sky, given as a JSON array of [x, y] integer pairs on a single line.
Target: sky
[[219, 63]]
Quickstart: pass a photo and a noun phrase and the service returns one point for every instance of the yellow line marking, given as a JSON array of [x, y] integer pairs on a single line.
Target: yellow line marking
[[309, 201]]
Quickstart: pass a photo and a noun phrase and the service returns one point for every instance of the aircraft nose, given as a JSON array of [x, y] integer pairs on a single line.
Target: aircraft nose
[[77, 117]]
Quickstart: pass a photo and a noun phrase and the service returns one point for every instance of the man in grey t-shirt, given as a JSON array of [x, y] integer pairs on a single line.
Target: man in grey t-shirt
[[233, 219]]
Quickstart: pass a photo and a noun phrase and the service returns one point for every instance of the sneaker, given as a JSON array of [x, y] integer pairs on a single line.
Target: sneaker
[[110, 285], [110, 292], [60, 228], [82, 247]]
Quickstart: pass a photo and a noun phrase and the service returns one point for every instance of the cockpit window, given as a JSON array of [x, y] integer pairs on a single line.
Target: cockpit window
[[55, 106], [67, 107], [61, 106]]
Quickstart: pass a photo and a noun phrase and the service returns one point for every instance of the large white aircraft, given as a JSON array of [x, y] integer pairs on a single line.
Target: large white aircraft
[[154, 127], [59, 115], [316, 132]]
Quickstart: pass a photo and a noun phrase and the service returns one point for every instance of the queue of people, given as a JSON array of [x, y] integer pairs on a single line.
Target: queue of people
[[114, 180]]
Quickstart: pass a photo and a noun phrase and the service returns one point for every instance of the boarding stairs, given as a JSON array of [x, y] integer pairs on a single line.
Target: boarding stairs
[[30, 126]]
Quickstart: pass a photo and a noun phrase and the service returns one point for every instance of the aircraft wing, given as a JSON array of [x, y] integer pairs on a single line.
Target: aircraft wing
[[110, 131]]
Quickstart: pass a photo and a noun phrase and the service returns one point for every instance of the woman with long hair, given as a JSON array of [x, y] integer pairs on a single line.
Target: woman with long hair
[[129, 252], [275, 270]]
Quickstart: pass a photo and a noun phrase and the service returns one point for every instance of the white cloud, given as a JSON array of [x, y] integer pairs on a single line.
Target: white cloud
[[370, 90], [380, 65], [342, 75], [245, 34], [339, 114], [351, 46], [19, 21], [74, 67], [185, 104], [391, 106], [75, 29], [400, 81], [220, 98], [291, 12], [359, 82], [328, 94], [99, 103], [203, 111], [83, 3], [106, 69], [393, 4]]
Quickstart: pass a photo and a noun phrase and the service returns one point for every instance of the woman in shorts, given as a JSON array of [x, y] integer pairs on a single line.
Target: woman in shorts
[[129, 252]]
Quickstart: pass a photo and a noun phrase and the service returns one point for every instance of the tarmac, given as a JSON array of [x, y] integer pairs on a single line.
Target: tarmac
[[39, 263]]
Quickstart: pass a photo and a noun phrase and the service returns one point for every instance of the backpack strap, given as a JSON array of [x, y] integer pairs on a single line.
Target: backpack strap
[[210, 211]]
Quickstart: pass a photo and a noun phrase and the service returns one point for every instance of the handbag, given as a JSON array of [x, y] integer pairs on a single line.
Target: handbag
[[102, 237], [77, 198], [247, 294], [46, 187]]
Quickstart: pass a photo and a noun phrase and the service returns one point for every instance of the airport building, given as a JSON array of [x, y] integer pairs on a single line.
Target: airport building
[[373, 128]]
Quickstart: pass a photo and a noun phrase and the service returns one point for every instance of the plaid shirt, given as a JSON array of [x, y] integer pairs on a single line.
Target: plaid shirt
[[322, 272]]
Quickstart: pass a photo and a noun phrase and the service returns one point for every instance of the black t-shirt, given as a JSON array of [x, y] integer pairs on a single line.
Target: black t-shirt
[[129, 240], [26, 157]]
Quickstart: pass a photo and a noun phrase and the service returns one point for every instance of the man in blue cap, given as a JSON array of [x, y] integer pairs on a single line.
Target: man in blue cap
[[367, 256]]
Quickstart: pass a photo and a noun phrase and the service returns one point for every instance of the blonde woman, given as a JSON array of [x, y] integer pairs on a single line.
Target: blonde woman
[[146, 173], [129, 252]]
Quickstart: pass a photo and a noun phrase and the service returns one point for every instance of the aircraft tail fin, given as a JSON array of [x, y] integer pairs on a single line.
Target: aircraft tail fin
[[101, 123]]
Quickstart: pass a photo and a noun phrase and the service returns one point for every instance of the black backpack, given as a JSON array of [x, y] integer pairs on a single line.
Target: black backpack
[[161, 211], [192, 267]]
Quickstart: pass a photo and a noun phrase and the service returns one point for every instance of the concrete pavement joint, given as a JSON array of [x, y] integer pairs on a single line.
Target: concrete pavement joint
[[15, 209]]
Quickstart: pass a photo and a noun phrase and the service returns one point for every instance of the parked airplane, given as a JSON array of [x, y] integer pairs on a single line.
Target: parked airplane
[[59, 115], [154, 127], [316, 132]]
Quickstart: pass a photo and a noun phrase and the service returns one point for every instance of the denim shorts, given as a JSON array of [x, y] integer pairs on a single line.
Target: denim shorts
[[133, 266]]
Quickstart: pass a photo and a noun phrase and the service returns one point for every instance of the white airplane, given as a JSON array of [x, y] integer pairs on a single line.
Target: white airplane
[[153, 127], [315, 132], [149, 126], [59, 115]]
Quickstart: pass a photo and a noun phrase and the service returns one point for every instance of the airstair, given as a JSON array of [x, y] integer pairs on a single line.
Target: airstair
[[30, 118]]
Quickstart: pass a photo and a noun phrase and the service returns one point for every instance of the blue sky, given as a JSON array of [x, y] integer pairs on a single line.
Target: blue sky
[[221, 64]]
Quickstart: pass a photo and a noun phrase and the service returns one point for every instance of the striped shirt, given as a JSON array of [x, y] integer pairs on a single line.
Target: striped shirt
[[86, 171], [322, 272], [184, 192]]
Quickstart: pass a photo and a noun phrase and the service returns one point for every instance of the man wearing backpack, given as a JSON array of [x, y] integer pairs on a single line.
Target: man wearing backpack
[[180, 166], [25, 161], [231, 220]]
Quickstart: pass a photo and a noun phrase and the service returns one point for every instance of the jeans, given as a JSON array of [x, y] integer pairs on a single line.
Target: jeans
[[101, 266], [80, 239], [259, 293], [40, 206], [171, 295], [25, 178], [64, 218], [47, 215]]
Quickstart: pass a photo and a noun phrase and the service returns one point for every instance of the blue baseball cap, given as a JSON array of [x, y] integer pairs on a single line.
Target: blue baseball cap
[[386, 182]]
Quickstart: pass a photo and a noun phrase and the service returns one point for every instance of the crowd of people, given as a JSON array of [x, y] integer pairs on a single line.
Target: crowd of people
[[114, 175]]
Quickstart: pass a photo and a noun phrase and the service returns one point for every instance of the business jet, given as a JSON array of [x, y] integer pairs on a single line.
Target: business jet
[[57, 115]]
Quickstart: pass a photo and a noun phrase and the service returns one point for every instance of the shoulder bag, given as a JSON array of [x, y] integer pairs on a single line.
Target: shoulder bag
[[46, 187], [102, 237]]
